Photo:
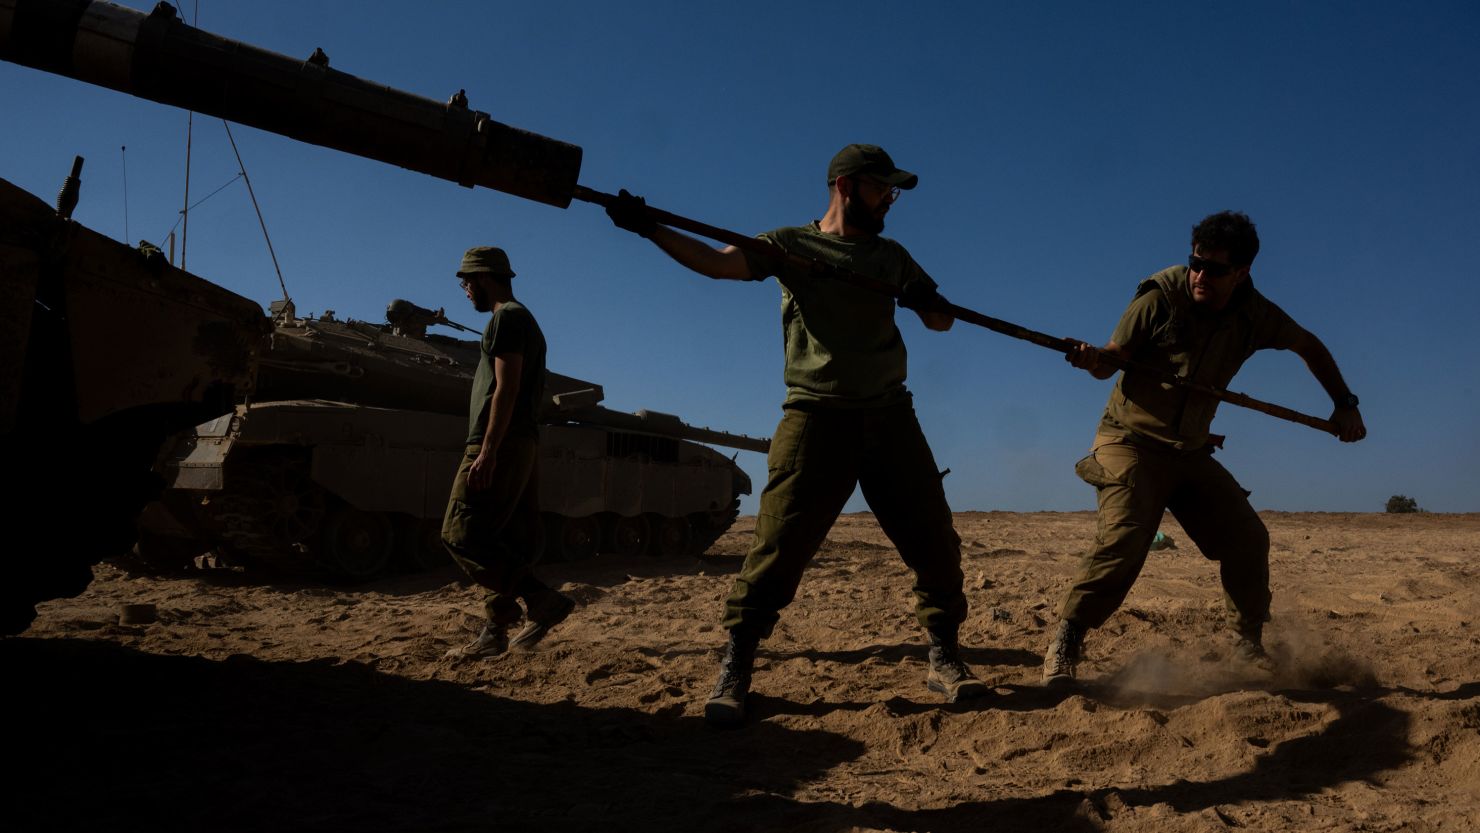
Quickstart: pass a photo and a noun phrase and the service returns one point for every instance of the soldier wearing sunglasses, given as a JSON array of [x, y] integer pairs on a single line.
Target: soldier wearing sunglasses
[[1153, 450], [847, 421]]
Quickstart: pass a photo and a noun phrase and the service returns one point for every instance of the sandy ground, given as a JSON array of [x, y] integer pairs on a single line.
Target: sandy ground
[[249, 707]]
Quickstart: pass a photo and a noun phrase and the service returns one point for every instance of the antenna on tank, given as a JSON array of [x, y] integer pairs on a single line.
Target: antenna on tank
[[189, 132], [123, 150], [185, 212], [253, 194]]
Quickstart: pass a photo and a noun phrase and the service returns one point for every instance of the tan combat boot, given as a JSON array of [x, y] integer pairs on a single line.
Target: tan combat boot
[[1248, 648], [492, 641], [948, 674], [545, 612], [1063, 655]]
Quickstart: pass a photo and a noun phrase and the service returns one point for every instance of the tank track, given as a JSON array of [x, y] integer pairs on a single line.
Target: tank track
[[270, 516], [715, 524]]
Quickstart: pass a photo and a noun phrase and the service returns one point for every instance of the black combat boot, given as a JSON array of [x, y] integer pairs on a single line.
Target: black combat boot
[[1063, 654], [948, 675], [726, 706], [1249, 648]]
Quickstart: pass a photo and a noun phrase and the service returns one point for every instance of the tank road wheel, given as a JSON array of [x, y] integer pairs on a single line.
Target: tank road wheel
[[673, 537], [579, 538], [296, 503], [419, 544], [709, 526], [631, 536], [356, 545]]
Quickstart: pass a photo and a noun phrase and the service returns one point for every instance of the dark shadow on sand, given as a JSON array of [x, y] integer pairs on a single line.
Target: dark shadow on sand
[[1368, 738], [103, 737]]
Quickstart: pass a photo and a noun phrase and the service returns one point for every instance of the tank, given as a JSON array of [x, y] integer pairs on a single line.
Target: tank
[[341, 463], [104, 352], [89, 397]]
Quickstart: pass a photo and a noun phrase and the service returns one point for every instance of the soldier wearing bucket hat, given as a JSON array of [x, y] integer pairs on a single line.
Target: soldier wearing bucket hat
[[485, 260], [847, 421], [492, 525]]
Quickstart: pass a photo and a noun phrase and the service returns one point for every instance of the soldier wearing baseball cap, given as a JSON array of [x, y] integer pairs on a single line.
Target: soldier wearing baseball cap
[[848, 419], [870, 160], [492, 526]]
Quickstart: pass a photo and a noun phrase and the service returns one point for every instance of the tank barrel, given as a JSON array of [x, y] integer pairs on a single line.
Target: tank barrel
[[158, 57], [726, 439], [665, 425]]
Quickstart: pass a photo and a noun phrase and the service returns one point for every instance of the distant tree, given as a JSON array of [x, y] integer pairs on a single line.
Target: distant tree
[[1402, 503]]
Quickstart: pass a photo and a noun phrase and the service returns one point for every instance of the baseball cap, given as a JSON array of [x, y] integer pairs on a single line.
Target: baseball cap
[[870, 160]]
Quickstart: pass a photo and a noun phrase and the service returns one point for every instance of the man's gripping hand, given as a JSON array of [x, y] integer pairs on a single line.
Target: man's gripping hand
[[1084, 356], [480, 474], [920, 296], [631, 213], [1349, 425]]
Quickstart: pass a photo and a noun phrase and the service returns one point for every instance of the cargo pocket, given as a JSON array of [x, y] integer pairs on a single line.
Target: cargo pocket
[[456, 525], [1091, 472], [786, 444], [1108, 464]]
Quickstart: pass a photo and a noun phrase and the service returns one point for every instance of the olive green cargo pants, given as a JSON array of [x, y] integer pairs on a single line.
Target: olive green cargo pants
[[1136, 482], [495, 534], [817, 457]]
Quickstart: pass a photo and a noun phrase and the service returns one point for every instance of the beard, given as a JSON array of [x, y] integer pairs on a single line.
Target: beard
[[480, 298], [860, 217]]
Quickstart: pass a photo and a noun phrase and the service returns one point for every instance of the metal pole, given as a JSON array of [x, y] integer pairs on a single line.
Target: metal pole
[[1007, 328]]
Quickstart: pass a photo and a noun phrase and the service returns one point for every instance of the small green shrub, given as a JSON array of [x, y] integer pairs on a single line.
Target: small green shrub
[[1402, 503]]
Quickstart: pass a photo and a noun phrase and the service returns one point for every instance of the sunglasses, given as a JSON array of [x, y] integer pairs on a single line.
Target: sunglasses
[[1209, 268], [891, 191]]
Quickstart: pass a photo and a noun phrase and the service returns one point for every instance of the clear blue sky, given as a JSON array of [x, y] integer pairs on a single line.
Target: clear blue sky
[[1064, 152]]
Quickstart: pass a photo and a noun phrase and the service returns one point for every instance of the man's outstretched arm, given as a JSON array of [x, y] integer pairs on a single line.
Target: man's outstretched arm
[[630, 213], [1349, 425]]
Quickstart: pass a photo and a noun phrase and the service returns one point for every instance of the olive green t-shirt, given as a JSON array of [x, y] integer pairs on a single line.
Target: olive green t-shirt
[[511, 330], [843, 349], [1163, 328]]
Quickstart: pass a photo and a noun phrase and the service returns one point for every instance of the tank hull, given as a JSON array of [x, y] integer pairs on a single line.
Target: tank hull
[[104, 353]]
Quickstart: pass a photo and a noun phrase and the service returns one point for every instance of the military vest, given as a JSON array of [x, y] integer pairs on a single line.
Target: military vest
[[1206, 347]]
